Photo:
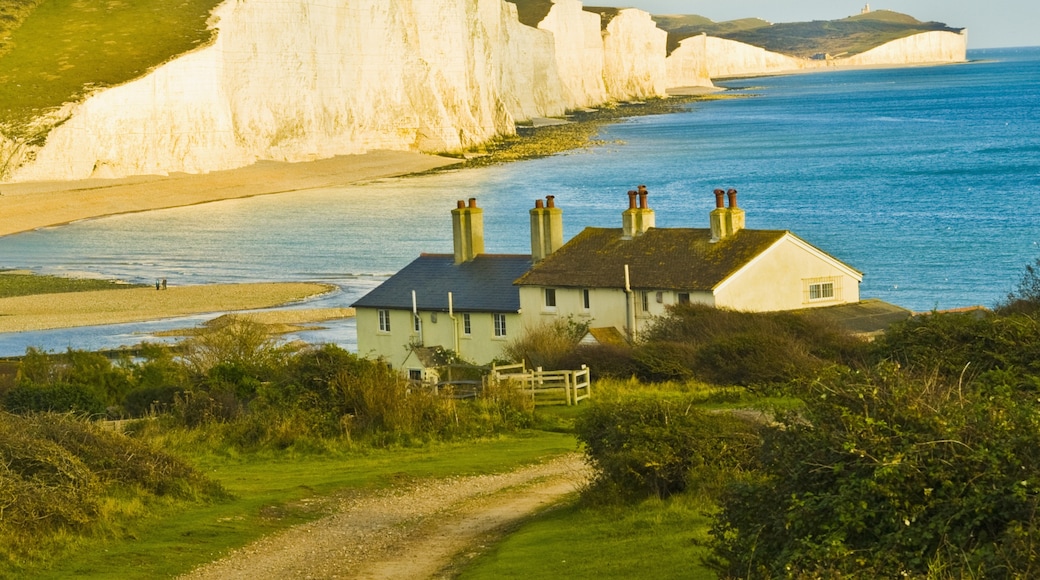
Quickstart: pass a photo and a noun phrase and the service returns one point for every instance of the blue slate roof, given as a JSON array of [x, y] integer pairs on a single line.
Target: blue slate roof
[[484, 284]]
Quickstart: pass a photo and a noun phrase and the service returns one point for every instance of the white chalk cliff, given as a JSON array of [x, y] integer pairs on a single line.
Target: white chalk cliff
[[720, 58], [297, 80]]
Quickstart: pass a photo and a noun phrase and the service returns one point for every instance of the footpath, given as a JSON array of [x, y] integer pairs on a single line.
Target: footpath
[[404, 533]]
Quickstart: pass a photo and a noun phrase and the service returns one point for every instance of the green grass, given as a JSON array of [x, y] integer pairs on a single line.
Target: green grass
[[653, 539], [19, 284], [269, 493], [63, 48]]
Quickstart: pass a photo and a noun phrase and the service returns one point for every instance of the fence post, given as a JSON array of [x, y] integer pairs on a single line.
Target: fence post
[[537, 382], [588, 381]]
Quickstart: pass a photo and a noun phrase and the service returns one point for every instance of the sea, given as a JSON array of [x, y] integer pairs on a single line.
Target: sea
[[926, 179]]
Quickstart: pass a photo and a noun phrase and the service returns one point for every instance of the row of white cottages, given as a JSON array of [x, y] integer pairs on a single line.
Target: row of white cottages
[[616, 279]]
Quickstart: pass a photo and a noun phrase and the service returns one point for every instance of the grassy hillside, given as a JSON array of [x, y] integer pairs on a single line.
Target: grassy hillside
[[532, 11], [55, 51], [846, 36]]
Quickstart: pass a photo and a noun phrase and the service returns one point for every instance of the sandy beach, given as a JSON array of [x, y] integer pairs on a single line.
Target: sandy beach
[[30, 205], [27, 206], [69, 309]]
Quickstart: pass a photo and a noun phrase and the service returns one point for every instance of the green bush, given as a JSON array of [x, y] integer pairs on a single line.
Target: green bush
[[654, 444], [883, 475], [743, 348], [959, 346], [1026, 297], [56, 471], [58, 398], [548, 345], [604, 360]]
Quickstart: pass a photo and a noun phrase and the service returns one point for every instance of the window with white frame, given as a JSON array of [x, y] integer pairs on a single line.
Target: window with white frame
[[550, 298], [822, 289], [684, 298], [384, 321], [586, 300], [500, 324], [467, 328], [645, 296], [416, 323]]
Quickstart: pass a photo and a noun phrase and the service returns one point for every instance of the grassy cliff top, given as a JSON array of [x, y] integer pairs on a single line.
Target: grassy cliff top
[[56, 51], [847, 36]]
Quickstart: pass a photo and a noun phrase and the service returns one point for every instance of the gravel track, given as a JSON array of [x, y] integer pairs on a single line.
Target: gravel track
[[403, 533]]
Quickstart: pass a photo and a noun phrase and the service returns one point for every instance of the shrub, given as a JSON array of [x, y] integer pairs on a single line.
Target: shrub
[[604, 360], [56, 471], [651, 444], [547, 345], [1025, 299], [237, 343], [884, 475], [743, 348], [59, 398], [959, 346]]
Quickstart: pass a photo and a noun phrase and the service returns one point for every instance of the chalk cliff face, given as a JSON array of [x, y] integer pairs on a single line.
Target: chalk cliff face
[[634, 63], [721, 58], [297, 80], [927, 47], [579, 52], [306, 79]]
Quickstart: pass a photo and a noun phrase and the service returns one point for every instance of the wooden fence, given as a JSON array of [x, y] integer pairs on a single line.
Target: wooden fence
[[547, 385]]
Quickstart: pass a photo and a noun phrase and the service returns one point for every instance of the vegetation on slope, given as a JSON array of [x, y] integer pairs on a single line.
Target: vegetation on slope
[[61, 476], [916, 457], [18, 283], [57, 51], [805, 39], [532, 12], [12, 13]]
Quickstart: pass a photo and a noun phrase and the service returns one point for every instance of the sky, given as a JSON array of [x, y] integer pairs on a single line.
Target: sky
[[990, 23]]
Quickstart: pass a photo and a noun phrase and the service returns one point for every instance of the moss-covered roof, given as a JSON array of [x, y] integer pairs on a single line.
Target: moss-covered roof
[[660, 259]]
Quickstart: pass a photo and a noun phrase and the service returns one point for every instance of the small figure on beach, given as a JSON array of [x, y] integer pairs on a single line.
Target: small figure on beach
[[164, 283], [156, 283]]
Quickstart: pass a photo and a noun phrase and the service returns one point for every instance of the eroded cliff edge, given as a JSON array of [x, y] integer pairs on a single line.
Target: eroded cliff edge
[[299, 80]]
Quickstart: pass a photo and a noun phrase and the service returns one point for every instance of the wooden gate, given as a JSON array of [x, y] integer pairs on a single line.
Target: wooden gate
[[547, 386]]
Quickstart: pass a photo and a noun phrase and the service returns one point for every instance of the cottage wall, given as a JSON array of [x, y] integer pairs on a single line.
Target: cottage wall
[[607, 306], [780, 279], [481, 346]]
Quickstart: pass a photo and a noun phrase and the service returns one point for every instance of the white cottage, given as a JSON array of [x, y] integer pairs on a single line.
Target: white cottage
[[464, 302], [623, 277]]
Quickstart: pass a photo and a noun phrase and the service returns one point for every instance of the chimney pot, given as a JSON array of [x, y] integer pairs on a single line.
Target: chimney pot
[[642, 198], [631, 200], [550, 201], [460, 204], [732, 198], [538, 204], [719, 201], [473, 202]]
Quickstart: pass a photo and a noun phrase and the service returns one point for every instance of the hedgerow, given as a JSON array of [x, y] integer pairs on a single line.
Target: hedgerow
[[886, 475]]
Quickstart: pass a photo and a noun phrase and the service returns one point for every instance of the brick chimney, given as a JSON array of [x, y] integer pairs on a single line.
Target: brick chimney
[[546, 228], [467, 223], [638, 218], [726, 221]]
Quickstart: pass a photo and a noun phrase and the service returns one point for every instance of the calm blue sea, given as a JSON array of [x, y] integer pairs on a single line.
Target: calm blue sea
[[926, 179]]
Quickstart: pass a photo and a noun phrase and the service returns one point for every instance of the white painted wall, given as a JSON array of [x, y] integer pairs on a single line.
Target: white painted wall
[[481, 346]]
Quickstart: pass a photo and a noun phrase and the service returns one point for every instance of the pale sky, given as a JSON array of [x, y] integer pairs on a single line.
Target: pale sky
[[990, 23]]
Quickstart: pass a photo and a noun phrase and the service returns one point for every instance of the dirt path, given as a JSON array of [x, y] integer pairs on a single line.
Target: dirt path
[[403, 534]]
